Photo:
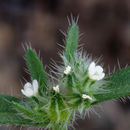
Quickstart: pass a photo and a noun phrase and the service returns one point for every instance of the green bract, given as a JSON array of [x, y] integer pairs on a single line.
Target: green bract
[[72, 91]]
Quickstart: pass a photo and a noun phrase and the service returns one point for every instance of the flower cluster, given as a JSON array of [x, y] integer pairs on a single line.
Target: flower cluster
[[94, 73]]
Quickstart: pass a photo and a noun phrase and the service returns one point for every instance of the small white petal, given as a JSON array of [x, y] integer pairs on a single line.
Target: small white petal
[[99, 69], [67, 70], [56, 88], [95, 72], [102, 76], [95, 77], [27, 85], [92, 65], [28, 92], [84, 96], [91, 68], [23, 92], [30, 89], [35, 87]]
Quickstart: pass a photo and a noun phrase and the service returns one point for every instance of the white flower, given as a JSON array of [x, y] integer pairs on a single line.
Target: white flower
[[84, 96], [56, 88], [95, 72], [67, 70], [30, 89]]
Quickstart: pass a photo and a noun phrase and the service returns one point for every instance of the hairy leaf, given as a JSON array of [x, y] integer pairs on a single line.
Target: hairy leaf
[[71, 41], [40, 117], [8, 114], [36, 69], [118, 86]]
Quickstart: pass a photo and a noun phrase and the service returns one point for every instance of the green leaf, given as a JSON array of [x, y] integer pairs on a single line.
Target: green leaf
[[36, 69], [8, 115], [40, 117], [71, 41], [118, 86]]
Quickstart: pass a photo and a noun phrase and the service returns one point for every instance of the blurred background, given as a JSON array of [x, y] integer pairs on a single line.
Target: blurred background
[[105, 25]]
